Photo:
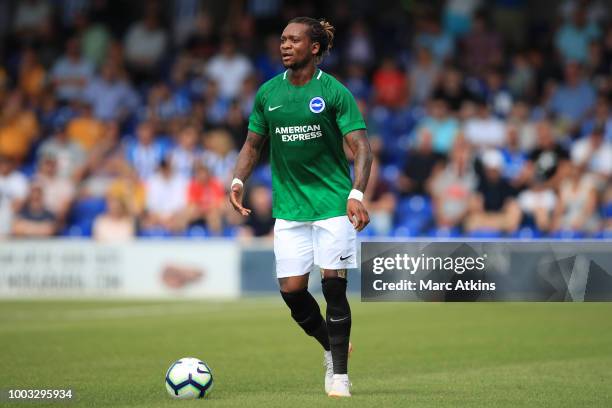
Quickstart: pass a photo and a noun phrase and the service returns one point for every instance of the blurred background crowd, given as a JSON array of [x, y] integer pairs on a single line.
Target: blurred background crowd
[[124, 119]]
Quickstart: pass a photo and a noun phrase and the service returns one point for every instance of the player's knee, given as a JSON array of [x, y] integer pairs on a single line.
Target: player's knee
[[334, 290], [304, 309]]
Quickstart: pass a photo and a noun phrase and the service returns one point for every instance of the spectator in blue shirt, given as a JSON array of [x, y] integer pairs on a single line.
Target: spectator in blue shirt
[[573, 38], [575, 97]]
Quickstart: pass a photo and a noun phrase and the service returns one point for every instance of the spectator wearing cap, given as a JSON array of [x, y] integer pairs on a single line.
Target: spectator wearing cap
[[34, 219], [13, 191], [493, 207]]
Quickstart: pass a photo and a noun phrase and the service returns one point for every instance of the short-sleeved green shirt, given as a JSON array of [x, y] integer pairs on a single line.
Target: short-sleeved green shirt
[[306, 125]]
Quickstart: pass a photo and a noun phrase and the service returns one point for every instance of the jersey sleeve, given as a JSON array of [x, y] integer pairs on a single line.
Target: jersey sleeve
[[348, 116], [257, 120]]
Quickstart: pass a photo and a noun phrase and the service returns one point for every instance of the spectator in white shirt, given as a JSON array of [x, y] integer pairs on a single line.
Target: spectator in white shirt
[[229, 69], [145, 43], [13, 192], [485, 130], [596, 154], [537, 204], [166, 200]]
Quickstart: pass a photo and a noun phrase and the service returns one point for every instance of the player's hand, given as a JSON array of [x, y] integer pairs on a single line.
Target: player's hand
[[357, 214], [236, 199]]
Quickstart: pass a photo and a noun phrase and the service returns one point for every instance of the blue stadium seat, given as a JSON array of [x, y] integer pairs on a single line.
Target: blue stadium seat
[[197, 231], [390, 173], [73, 231], [230, 231], [607, 210], [405, 231], [605, 234], [262, 175], [82, 216], [87, 209], [414, 212], [156, 232], [527, 232], [367, 232], [441, 232], [484, 234], [567, 234]]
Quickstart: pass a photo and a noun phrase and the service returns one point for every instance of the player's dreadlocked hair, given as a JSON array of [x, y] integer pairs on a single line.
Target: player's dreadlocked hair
[[320, 31]]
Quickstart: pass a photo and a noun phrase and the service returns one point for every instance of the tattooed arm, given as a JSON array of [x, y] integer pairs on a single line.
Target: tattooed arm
[[359, 145]]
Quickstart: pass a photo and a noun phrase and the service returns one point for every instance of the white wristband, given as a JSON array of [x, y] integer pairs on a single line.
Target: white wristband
[[355, 194], [237, 181]]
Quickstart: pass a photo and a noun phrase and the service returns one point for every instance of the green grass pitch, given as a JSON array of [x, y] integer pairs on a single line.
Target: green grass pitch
[[115, 353]]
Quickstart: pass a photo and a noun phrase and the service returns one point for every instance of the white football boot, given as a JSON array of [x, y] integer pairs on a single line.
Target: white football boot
[[328, 363], [341, 386]]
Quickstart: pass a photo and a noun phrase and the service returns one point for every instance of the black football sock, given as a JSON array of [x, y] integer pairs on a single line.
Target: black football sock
[[338, 321], [306, 312]]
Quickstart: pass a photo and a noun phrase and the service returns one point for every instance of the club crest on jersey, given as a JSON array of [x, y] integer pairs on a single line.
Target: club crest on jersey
[[317, 104]]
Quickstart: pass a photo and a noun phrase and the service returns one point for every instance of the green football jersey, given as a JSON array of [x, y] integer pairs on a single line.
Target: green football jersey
[[306, 125]]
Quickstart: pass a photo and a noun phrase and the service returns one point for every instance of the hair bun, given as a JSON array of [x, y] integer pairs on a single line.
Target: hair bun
[[329, 31]]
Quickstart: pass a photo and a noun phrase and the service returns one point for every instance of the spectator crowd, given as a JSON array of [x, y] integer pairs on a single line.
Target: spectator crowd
[[121, 120]]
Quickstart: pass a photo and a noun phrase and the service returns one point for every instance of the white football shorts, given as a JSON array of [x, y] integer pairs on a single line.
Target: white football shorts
[[329, 244]]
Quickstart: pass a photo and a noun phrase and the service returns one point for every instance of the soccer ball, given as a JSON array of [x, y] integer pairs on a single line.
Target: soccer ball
[[189, 378]]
